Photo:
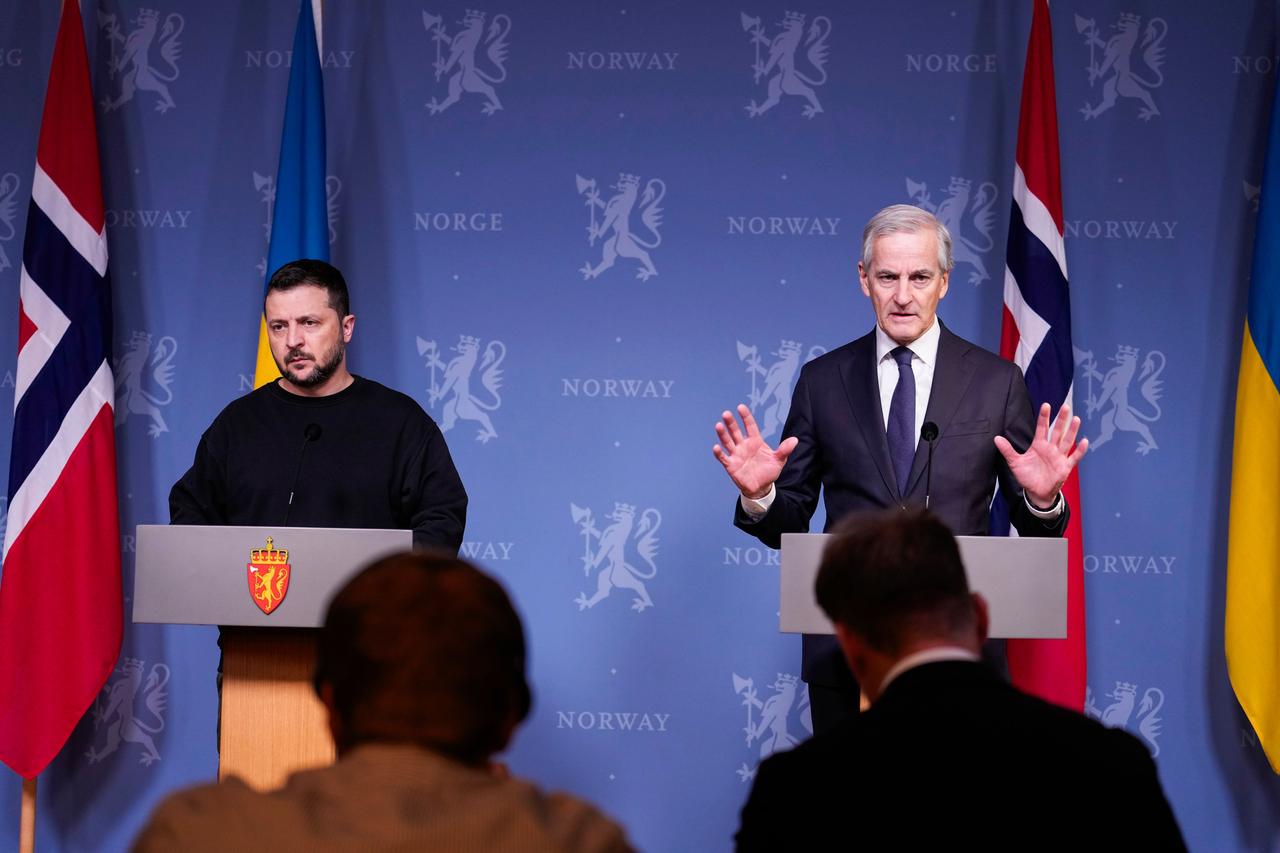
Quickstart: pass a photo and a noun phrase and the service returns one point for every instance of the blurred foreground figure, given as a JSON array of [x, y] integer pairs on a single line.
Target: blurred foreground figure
[[421, 665], [948, 756]]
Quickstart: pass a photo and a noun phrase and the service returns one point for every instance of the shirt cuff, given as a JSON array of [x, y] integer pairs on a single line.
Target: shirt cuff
[[756, 509], [1047, 514]]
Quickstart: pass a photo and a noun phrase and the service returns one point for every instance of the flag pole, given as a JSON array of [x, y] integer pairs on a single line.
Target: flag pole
[[27, 822]]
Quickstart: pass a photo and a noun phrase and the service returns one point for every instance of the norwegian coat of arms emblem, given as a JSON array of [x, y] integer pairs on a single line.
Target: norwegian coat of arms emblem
[[9, 210], [616, 218], [116, 709], [268, 574], [1117, 66], [963, 208], [143, 377], [776, 380], [1116, 387], [466, 404], [610, 557], [785, 75], [134, 64], [770, 721], [1120, 713], [466, 71]]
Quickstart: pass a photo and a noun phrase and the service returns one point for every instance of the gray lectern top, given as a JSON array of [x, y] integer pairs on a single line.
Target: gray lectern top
[[198, 575], [1024, 580]]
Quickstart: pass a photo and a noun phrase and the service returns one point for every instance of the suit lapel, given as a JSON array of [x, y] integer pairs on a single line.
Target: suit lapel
[[863, 389], [951, 377]]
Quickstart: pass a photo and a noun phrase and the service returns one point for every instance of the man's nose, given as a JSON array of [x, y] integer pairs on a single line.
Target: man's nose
[[902, 292], [293, 335]]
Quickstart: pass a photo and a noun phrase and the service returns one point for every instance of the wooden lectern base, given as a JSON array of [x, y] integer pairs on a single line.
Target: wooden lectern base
[[272, 722]]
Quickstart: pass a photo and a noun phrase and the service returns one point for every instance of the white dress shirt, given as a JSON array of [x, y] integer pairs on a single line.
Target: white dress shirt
[[924, 358]]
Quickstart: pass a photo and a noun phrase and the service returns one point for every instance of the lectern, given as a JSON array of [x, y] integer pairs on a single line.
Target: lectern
[[267, 587], [1024, 580]]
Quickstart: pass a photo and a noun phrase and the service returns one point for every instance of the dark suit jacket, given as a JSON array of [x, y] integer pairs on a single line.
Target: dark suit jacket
[[951, 754], [843, 450]]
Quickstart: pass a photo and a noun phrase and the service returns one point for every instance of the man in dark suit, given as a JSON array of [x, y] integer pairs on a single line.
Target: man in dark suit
[[857, 414], [948, 752]]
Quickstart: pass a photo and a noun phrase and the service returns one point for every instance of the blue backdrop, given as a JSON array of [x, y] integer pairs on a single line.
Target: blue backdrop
[[635, 214]]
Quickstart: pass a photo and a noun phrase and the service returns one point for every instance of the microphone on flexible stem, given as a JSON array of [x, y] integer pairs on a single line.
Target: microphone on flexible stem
[[309, 434], [928, 432]]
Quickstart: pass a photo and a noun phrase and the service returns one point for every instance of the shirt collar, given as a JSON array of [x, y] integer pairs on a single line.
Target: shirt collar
[[930, 655], [924, 347]]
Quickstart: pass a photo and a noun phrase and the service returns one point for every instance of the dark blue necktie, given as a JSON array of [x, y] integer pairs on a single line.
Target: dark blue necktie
[[902, 419]]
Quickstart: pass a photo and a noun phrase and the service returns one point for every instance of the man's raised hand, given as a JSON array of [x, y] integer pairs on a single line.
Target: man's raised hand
[[751, 463], [1045, 466]]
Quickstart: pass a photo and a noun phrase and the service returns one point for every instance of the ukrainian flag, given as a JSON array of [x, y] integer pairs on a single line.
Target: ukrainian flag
[[1253, 553], [300, 222]]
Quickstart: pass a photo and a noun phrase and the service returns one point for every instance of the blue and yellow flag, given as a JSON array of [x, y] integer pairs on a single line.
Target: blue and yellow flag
[[300, 222], [1253, 553]]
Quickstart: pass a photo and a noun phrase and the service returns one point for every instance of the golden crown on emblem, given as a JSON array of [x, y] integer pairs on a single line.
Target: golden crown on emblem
[[270, 554]]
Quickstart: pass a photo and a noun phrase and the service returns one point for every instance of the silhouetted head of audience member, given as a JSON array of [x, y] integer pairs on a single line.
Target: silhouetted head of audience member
[[423, 649], [893, 584]]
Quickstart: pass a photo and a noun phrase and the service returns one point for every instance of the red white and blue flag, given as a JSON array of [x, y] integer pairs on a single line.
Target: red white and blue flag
[[60, 598], [1036, 335]]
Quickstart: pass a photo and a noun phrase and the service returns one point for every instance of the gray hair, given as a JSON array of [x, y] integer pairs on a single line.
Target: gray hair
[[906, 219]]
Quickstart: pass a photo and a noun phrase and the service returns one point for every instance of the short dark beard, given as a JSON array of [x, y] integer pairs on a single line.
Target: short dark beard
[[322, 373]]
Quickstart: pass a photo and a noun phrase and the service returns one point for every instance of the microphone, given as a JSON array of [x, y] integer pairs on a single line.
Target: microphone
[[310, 433], [928, 432]]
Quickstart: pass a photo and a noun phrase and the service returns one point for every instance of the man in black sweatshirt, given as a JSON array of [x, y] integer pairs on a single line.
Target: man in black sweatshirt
[[352, 452]]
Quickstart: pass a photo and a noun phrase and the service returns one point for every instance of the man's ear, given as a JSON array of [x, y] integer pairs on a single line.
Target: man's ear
[[863, 281]]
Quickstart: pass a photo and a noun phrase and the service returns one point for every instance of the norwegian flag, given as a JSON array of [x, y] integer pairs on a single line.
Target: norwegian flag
[[1036, 335], [60, 599]]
